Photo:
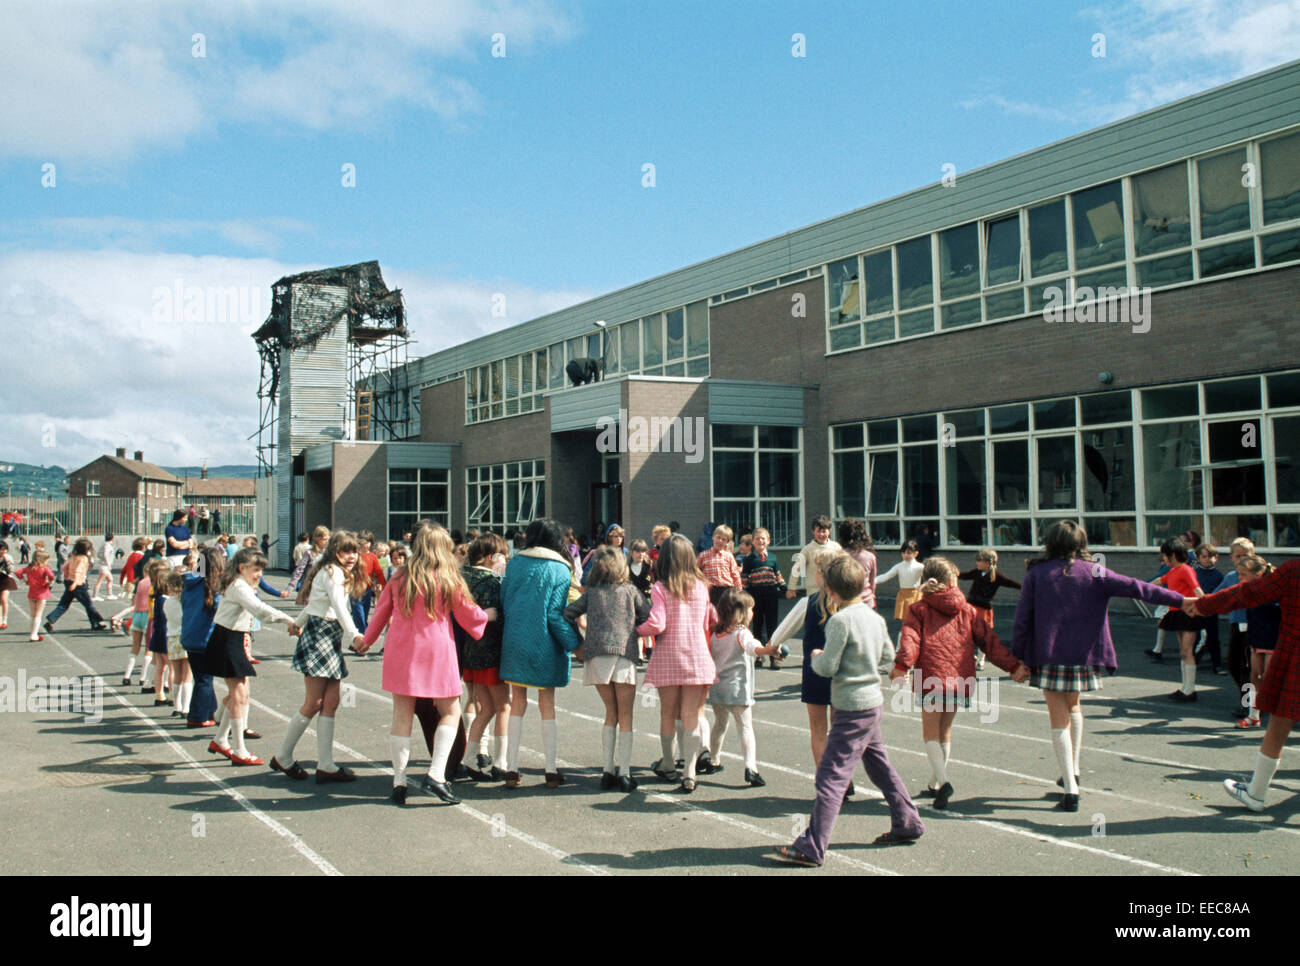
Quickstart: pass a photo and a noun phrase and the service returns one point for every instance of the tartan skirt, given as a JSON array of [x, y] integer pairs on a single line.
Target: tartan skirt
[[1066, 677], [319, 653]]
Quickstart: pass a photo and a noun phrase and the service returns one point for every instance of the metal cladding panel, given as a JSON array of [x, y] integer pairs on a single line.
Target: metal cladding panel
[[313, 381], [419, 455], [580, 406], [283, 509], [318, 457], [1242, 109], [749, 404]]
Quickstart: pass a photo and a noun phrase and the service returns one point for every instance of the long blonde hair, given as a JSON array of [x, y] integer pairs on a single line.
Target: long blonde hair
[[431, 571], [676, 567]]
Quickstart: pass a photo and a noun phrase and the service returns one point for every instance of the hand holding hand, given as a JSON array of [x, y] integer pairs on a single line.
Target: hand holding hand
[[284, 593], [1021, 674], [492, 614], [789, 595], [359, 644], [896, 672], [815, 653], [1189, 607], [294, 630]]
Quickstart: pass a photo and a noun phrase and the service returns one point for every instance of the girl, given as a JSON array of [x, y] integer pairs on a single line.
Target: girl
[[858, 651], [139, 623], [732, 647], [681, 620], [128, 580], [324, 624], [483, 664], [571, 541], [1181, 579], [855, 539], [940, 635], [1239, 660], [417, 608], [320, 538], [156, 646], [641, 572], [1208, 578], [200, 595], [7, 583], [985, 580], [225, 656], [613, 608], [537, 640], [908, 572], [39, 577], [762, 580], [613, 538], [74, 588], [1062, 632], [1279, 692], [107, 554], [166, 638], [1262, 625], [397, 560]]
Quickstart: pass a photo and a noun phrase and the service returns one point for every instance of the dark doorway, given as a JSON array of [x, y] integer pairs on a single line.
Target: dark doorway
[[605, 506]]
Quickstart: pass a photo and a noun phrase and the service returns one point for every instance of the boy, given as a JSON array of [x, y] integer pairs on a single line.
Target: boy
[[745, 548], [821, 531], [857, 656], [719, 564], [762, 580], [1209, 578]]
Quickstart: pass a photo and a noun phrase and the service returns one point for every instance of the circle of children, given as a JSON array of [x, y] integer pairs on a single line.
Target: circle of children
[[499, 625]]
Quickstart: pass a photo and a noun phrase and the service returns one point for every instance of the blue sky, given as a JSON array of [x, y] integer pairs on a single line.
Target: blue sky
[[478, 174]]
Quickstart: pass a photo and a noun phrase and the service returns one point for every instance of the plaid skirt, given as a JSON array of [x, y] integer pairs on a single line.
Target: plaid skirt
[[319, 653], [1066, 677]]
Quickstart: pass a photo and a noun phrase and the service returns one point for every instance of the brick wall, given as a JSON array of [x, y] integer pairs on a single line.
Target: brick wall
[[360, 487], [663, 486]]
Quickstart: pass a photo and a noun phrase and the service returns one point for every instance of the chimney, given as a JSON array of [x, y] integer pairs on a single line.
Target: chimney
[[203, 473], [121, 452], [139, 456]]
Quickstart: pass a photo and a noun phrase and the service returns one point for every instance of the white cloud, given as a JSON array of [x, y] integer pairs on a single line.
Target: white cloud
[[262, 235]]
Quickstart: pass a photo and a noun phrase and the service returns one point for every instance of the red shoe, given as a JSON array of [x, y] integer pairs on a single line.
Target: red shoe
[[250, 735], [250, 760], [253, 660], [201, 724], [4, 627], [216, 749]]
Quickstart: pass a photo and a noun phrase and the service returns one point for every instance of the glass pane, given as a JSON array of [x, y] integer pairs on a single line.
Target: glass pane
[[1232, 396], [846, 437], [1011, 533], [1111, 531], [921, 480], [972, 533], [781, 518], [778, 474], [1005, 305], [433, 476], [1108, 469], [1225, 203], [1162, 528], [1002, 251], [1162, 217], [1009, 419], [498, 501], [402, 499], [916, 323], [525, 503], [739, 515], [1048, 294], [1101, 285], [1283, 246], [698, 368], [1098, 225], [1235, 256], [915, 273], [575, 349], [1171, 454], [964, 467], [1284, 390], [676, 334], [498, 471], [881, 330], [959, 314], [471, 387], [1159, 272], [676, 369], [652, 346], [512, 407], [880, 282], [733, 474], [1236, 442], [846, 337], [885, 533], [1286, 530], [1056, 471], [1280, 178], [498, 384], [1047, 239], [1054, 414], [630, 342], [512, 503], [882, 470], [401, 476], [697, 328], [1227, 527], [959, 261], [1011, 475], [850, 485], [512, 377], [557, 365], [1174, 401], [611, 349], [480, 511], [882, 432], [918, 429], [512, 471], [778, 437], [741, 436], [846, 291], [967, 423]]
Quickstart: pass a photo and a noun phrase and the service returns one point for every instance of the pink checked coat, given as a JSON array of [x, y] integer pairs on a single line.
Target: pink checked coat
[[681, 630], [420, 651]]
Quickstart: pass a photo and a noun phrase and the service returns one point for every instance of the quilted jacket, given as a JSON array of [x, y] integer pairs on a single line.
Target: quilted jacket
[[940, 634], [535, 637]]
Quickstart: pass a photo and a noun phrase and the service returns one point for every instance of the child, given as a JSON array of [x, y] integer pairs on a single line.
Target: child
[[381, 554], [761, 575], [324, 624], [167, 630], [7, 583], [24, 551], [107, 554], [39, 577], [858, 651], [940, 635], [74, 588], [200, 595], [985, 580], [908, 571], [658, 534], [128, 580], [226, 657], [613, 608], [266, 545], [482, 663], [733, 696], [1239, 660], [1262, 625], [139, 623], [857, 542], [417, 610], [641, 572], [744, 547], [1181, 579], [397, 557], [156, 630], [320, 538], [718, 563], [1209, 577], [821, 532], [681, 620]]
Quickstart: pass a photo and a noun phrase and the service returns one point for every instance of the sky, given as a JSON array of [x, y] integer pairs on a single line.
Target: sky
[[495, 147]]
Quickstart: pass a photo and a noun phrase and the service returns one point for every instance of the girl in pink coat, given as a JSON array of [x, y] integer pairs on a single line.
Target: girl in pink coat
[[681, 620], [417, 608]]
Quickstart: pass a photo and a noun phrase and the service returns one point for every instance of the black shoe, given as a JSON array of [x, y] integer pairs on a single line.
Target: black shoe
[[942, 795], [607, 781], [293, 769], [326, 777], [126, 682], [101, 626], [480, 776], [626, 784], [849, 791], [771, 663], [1060, 782], [461, 772], [399, 795], [928, 792], [1068, 803], [704, 765], [1180, 697], [483, 762], [439, 790], [48, 627], [754, 778], [146, 690], [668, 776]]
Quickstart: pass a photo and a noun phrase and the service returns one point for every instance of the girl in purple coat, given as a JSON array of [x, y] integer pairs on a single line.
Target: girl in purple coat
[[1063, 634]]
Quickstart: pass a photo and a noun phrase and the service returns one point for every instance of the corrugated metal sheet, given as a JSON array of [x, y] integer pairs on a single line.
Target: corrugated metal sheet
[[1242, 109], [748, 404], [419, 455], [580, 406], [318, 457]]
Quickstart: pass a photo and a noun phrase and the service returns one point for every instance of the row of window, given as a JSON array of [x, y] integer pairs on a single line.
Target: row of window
[[757, 481], [744, 290], [506, 496], [418, 494], [1191, 220]]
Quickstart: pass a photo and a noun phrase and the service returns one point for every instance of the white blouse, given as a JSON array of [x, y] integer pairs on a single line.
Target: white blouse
[[240, 604], [329, 601], [908, 573]]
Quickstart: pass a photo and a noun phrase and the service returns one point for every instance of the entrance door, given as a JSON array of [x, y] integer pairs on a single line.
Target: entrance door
[[605, 507]]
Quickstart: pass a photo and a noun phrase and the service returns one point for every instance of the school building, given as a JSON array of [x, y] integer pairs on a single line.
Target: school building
[[1104, 329]]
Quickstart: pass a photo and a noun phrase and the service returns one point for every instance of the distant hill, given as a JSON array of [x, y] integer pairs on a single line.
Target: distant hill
[[24, 479], [236, 471]]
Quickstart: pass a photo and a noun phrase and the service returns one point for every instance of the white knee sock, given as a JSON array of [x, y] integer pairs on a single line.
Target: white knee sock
[[720, 722], [515, 732], [1189, 678], [938, 766], [550, 743], [1265, 769], [297, 725], [666, 746], [130, 666], [1160, 641], [1065, 759], [150, 668], [324, 744], [499, 743], [444, 736], [748, 743], [483, 743], [608, 735], [625, 753], [1076, 737], [399, 749], [947, 750], [221, 717], [705, 730], [467, 716], [223, 731], [691, 751], [1254, 711], [237, 737], [681, 740]]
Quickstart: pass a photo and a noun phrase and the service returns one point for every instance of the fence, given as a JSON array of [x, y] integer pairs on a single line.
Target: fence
[[122, 515]]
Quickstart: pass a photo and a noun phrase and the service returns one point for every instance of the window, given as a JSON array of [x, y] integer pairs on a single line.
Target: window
[[1047, 253], [415, 495], [758, 481], [1224, 199], [92, 488], [846, 291], [1162, 219], [1002, 251], [505, 496], [915, 279], [652, 346], [1098, 225]]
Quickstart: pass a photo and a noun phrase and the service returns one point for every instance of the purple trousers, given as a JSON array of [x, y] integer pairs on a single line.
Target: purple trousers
[[854, 736]]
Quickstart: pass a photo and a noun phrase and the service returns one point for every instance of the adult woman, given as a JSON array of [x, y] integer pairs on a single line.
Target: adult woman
[[536, 640], [179, 540]]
